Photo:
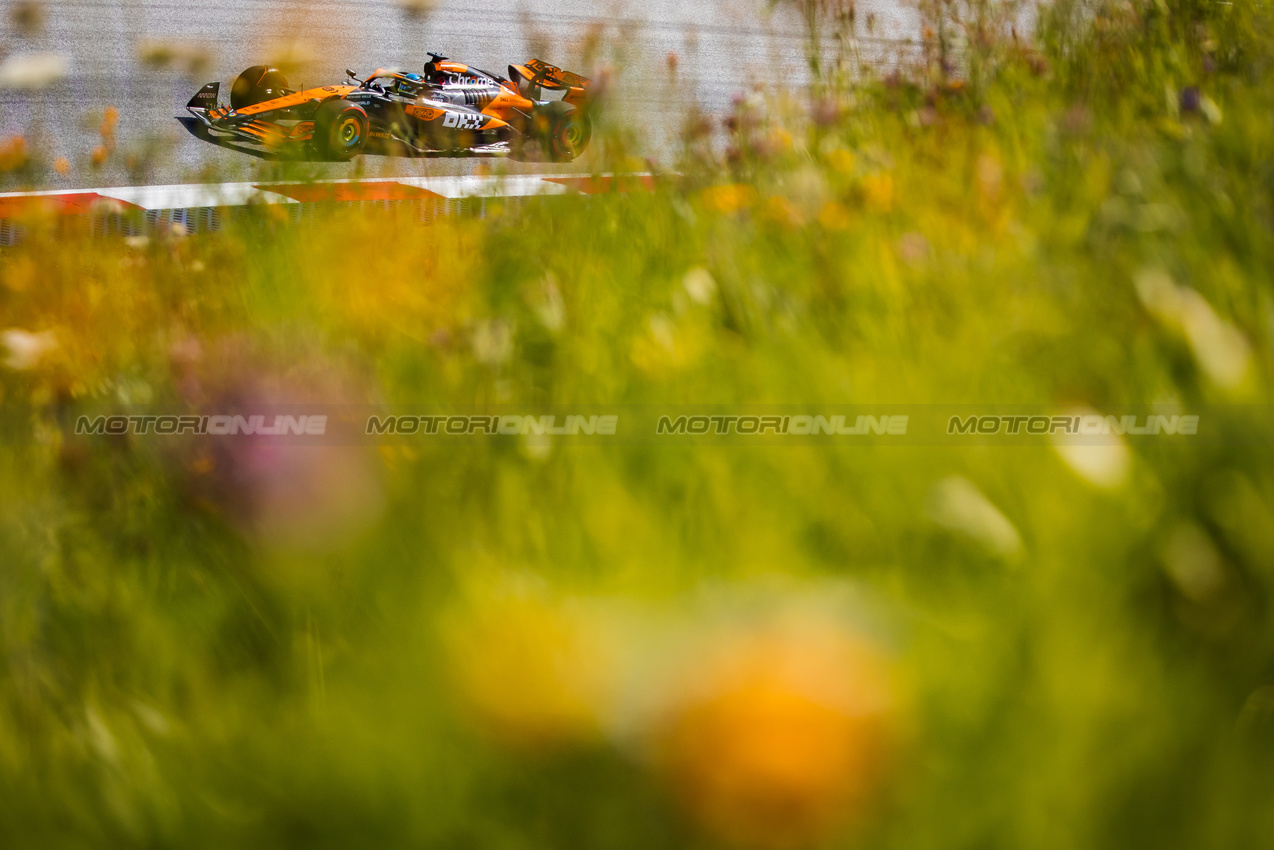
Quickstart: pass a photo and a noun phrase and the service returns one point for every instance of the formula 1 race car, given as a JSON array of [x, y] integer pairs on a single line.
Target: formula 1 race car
[[449, 108]]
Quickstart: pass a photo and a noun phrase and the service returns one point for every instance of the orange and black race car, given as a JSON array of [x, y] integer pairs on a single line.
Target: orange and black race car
[[449, 108]]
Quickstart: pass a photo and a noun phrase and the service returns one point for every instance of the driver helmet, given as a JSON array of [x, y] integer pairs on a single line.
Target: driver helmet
[[410, 84]]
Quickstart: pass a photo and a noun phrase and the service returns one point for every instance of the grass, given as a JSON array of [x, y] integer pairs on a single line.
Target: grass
[[501, 644]]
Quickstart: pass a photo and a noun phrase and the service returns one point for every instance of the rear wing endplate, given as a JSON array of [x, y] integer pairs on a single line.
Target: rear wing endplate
[[553, 77]]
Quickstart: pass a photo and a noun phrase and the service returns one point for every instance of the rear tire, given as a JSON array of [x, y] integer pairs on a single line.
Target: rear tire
[[257, 85], [562, 131], [340, 129]]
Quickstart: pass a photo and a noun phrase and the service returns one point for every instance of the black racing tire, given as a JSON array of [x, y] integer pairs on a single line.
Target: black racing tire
[[340, 129], [562, 131], [257, 85]]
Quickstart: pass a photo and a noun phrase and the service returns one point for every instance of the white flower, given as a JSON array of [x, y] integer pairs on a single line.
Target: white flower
[[492, 342], [1219, 348], [33, 70], [699, 285], [1102, 461], [550, 308], [957, 505], [24, 349]]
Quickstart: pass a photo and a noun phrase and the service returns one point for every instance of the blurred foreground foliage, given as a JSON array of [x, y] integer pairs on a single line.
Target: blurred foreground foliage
[[484, 644]]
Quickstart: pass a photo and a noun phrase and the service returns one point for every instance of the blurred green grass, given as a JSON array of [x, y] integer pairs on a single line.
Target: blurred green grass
[[476, 644]]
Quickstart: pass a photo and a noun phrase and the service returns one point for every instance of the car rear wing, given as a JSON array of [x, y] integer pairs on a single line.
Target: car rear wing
[[538, 74], [552, 77]]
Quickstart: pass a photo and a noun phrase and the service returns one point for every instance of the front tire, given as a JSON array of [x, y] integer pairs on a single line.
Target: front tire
[[340, 129]]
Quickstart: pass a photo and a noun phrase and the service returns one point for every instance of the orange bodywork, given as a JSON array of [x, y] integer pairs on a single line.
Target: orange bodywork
[[268, 132], [506, 102], [296, 99]]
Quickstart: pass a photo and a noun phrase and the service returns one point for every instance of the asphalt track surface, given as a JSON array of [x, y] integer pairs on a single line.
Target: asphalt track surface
[[722, 46]]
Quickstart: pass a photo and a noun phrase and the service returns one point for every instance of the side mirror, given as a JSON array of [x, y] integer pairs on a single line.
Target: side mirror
[[350, 73]]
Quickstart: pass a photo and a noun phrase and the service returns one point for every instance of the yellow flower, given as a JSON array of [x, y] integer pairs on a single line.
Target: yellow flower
[[781, 140], [779, 737], [729, 198], [878, 191], [529, 672], [835, 216], [841, 160], [779, 210], [13, 153], [110, 120]]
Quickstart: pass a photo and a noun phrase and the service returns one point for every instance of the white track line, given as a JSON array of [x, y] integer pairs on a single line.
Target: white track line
[[196, 195]]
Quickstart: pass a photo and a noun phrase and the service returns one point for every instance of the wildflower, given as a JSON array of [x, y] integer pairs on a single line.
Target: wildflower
[[1077, 120], [729, 198], [989, 175], [417, 8], [550, 308], [1210, 109], [492, 341], [878, 191], [1219, 348], [841, 160], [110, 120], [188, 56], [25, 350], [1189, 101], [697, 126], [957, 505], [778, 736], [529, 669], [28, 17], [62, 166], [825, 112], [282, 492], [779, 210], [927, 117], [99, 156], [13, 153], [32, 70], [912, 247], [1104, 465], [780, 140], [835, 216], [699, 285]]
